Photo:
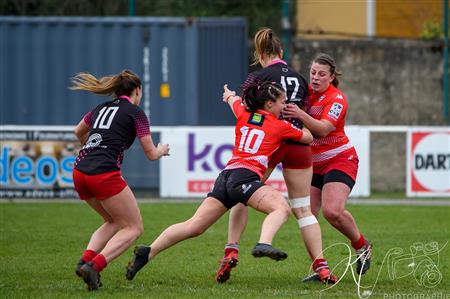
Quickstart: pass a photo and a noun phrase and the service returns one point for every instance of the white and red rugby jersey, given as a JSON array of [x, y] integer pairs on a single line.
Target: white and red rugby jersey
[[332, 106]]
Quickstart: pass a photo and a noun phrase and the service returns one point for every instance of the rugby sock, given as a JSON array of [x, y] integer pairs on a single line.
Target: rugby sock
[[319, 264], [99, 262], [230, 247], [360, 243], [88, 255]]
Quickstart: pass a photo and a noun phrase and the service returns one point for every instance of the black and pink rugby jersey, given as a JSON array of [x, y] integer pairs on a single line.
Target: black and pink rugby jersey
[[114, 126]]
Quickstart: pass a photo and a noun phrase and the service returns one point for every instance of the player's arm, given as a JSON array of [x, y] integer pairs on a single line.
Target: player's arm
[[289, 131], [151, 151], [229, 96], [82, 131], [319, 127], [142, 127], [307, 137]]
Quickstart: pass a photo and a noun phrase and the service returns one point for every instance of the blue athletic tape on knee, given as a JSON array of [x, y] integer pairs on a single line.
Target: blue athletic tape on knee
[[305, 221], [299, 202]]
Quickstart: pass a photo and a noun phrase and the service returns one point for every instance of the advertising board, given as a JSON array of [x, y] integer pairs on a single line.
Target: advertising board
[[37, 162], [428, 163], [198, 154]]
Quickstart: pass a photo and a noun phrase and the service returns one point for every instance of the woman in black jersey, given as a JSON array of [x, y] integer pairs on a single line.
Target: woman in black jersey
[[106, 132], [295, 158]]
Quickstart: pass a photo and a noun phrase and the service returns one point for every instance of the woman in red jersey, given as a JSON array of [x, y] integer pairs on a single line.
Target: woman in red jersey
[[335, 162], [106, 132], [294, 157], [258, 133]]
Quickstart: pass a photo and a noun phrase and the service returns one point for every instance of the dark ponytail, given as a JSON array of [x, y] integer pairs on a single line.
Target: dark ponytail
[[257, 94]]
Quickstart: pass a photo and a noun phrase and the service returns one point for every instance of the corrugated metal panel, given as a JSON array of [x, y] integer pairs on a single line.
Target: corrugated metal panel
[[3, 74], [193, 56], [217, 38]]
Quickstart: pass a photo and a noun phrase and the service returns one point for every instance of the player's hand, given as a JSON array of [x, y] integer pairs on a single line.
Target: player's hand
[[292, 110], [227, 94], [163, 149]]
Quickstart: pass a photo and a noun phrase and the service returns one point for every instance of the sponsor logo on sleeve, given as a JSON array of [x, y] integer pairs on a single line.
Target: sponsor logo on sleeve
[[335, 110]]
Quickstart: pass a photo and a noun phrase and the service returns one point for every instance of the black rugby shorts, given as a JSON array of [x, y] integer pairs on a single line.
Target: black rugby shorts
[[234, 186]]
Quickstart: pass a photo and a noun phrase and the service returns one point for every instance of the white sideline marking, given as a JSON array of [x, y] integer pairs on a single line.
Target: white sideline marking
[[351, 201]]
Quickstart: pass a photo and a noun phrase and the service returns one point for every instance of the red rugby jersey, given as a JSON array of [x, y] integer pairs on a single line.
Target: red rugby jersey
[[257, 135], [332, 106]]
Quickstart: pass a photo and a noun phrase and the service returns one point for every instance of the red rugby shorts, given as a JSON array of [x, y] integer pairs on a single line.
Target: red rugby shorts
[[99, 186], [347, 162], [292, 156]]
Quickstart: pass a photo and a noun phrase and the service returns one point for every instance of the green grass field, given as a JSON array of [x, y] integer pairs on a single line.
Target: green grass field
[[41, 243]]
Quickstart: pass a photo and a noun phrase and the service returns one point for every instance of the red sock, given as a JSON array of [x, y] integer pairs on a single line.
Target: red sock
[[88, 255], [99, 262], [230, 247], [229, 250], [360, 243], [319, 264]]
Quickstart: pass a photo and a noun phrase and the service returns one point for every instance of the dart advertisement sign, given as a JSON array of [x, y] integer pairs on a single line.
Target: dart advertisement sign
[[428, 163]]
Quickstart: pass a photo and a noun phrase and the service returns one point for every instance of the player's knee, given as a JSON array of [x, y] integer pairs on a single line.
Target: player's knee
[[330, 214], [140, 229], [195, 228], [302, 212], [284, 211], [137, 230], [301, 206]]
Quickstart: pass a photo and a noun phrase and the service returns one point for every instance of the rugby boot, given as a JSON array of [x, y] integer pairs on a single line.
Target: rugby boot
[[323, 275], [80, 264], [228, 262], [139, 260], [364, 255], [90, 276], [261, 250]]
